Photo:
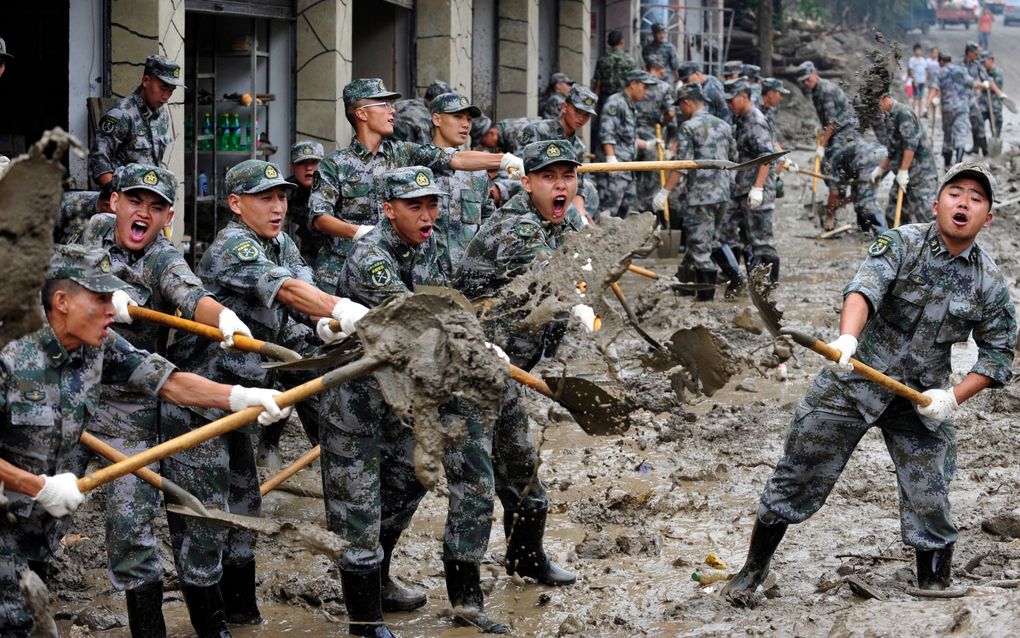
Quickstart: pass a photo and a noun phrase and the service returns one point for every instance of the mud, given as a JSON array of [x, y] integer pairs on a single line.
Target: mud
[[37, 598]]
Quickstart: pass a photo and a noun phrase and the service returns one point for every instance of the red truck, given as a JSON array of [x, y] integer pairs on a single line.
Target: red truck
[[951, 13]]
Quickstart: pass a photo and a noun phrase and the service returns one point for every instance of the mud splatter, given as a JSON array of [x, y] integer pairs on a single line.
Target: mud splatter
[[706, 357], [875, 80]]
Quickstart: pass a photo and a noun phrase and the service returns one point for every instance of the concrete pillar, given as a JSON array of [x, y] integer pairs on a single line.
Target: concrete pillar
[[517, 93], [574, 41], [138, 29], [323, 66], [443, 29]]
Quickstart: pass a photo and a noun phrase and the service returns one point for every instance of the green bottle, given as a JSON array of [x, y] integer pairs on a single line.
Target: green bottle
[[207, 129]]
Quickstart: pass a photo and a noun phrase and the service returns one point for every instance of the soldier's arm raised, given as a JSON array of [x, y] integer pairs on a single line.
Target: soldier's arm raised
[[306, 298]]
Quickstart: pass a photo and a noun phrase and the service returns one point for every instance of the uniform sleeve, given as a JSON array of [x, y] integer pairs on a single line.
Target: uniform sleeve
[[523, 249], [124, 364], [684, 144], [430, 155], [179, 287], [295, 263], [246, 269], [370, 280], [609, 123], [995, 336], [829, 107], [910, 131], [114, 129], [878, 271], [325, 190], [762, 139]]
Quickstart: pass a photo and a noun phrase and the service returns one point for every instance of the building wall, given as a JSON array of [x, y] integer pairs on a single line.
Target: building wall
[[517, 94], [323, 33], [84, 78], [443, 36]]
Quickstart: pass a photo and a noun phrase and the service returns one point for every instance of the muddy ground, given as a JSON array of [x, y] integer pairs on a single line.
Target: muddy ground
[[636, 515]]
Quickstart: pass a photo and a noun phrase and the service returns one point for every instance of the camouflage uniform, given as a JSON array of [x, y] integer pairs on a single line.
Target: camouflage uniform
[[611, 71], [76, 207], [997, 76], [47, 395], [552, 105], [834, 108], [618, 126], [664, 51], [510, 131], [462, 210], [924, 301], [977, 105], [855, 162], [753, 139], [905, 133], [309, 240], [954, 85], [412, 122], [656, 108], [715, 99]]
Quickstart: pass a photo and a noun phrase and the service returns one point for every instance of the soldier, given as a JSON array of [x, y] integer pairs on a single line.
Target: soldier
[[664, 51], [772, 94], [753, 74], [752, 201], [977, 71], [76, 208], [343, 204], [612, 68], [922, 288], [484, 134], [837, 117], [732, 69], [305, 156], [951, 88], [157, 278], [908, 148], [854, 164], [523, 235], [50, 380], [551, 101], [703, 136], [711, 89], [256, 269], [657, 108], [137, 129], [996, 75], [620, 143], [411, 119]]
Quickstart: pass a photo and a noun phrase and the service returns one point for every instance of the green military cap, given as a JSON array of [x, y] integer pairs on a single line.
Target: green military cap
[[538, 155], [583, 98], [733, 66], [687, 69], [640, 76], [367, 89], [159, 67], [3, 51], [972, 46], [654, 61], [774, 84], [973, 170], [557, 77], [690, 91], [253, 176], [89, 267], [735, 87], [752, 71], [155, 179], [804, 69], [657, 26], [987, 55], [479, 127], [453, 103], [438, 87], [409, 182], [306, 150]]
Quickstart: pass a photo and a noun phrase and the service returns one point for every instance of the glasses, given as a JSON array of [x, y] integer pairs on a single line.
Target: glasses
[[389, 105]]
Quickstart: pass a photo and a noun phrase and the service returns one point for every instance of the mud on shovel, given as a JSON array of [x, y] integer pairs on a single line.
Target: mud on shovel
[[994, 144]]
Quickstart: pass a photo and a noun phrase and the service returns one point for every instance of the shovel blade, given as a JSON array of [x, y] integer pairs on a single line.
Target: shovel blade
[[227, 520], [595, 410], [995, 147]]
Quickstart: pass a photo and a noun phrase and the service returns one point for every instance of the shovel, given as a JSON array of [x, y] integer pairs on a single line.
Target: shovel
[[814, 180], [678, 165], [301, 463], [995, 144], [899, 206], [662, 181]]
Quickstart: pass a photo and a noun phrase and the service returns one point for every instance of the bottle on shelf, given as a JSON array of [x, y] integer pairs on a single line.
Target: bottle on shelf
[[207, 129], [203, 184], [235, 133], [223, 133], [246, 141]]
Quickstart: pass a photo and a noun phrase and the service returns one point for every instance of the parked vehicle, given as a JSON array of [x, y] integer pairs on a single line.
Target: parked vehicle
[[1011, 12], [996, 6], [919, 17], [947, 14]]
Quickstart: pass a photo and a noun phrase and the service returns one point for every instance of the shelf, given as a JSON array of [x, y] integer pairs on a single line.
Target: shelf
[[205, 76], [225, 152], [205, 198]]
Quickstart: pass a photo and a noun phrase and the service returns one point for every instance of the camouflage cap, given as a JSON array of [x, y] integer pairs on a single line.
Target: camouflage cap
[[657, 26], [479, 127], [654, 61], [735, 87], [164, 69], [306, 150], [556, 78], [146, 177], [409, 182], [367, 89], [639, 76], [973, 170], [253, 176], [438, 87], [87, 266], [972, 47], [690, 91], [687, 69], [752, 71], [732, 67], [3, 51], [453, 103], [945, 57], [581, 97], [987, 55], [804, 69], [538, 155], [774, 84]]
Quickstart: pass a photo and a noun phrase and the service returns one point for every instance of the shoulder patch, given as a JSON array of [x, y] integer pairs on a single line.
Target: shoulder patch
[[612, 109], [526, 230], [35, 395], [108, 124], [246, 250], [880, 245], [379, 273]]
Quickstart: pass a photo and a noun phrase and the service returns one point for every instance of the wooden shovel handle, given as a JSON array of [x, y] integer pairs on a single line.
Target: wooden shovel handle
[[241, 342], [899, 206], [301, 463], [644, 272], [112, 454], [652, 165]]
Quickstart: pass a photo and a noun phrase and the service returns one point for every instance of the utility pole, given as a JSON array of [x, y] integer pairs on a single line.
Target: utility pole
[[765, 37]]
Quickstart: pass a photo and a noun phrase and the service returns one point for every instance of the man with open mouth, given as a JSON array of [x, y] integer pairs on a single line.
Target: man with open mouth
[[922, 288]]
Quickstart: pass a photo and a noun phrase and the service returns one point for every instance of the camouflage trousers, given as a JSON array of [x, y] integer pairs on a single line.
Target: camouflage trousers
[[955, 131], [917, 199], [15, 620], [647, 182], [25, 543], [819, 444], [515, 458], [997, 112], [221, 473], [617, 193], [866, 208], [977, 124], [742, 225], [701, 224]]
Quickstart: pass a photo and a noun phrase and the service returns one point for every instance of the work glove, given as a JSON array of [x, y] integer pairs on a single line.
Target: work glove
[[755, 197], [325, 333], [985, 85], [935, 101], [943, 404], [230, 325], [59, 495], [820, 151], [902, 178], [348, 313], [587, 316], [363, 230], [661, 144], [659, 201], [847, 346], [511, 164], [788, 165], [876, 175], [242, 397], [496, 350], [121, 301], [611, 159]]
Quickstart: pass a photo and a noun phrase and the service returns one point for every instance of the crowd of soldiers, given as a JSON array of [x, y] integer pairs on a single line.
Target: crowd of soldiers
[[402, 205]]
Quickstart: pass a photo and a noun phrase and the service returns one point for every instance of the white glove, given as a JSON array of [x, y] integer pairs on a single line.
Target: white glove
[[902, 178], [661, 144], [876, 175], [755, 197], [586, 314], [362, 231], [511, 164], [936, 101], [659, 201], [59, 495], [121, 301], [242, 397], [4, 163], [943, 403], [847, 346], [348, 313], [985, 85], [328, 336], [230, 325], [820, 151], [496, 350], [789, 165], [611, 159]]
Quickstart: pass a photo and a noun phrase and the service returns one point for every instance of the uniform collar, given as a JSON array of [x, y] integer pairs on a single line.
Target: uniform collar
[[271, 246], [397, 246], [363, 151], [938, 246], [143, 108]]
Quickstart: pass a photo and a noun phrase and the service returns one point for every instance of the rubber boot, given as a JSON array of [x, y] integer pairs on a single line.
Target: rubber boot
[[727, 262], [237, 586], [364, 605], [463, 584], [685, 273], [766, 259], [145, 611], [934, 568], [205, 606], [947, 159], [395, 595], [764, 541], [705, 277], [524, 554]]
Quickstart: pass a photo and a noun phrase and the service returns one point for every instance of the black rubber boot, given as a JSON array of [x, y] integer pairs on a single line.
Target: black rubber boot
[[685, 273], [524, 554], [145, 611], [237, 586], [764, 541], [727, 262], [705, 277], [205, 606], [364, 605], [463, 584], [395, 595], [934, 568], [947, 159]]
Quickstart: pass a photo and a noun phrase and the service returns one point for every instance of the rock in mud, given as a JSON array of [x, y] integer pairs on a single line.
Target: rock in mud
[[745, 321], [1007, 525], [748, 384]]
